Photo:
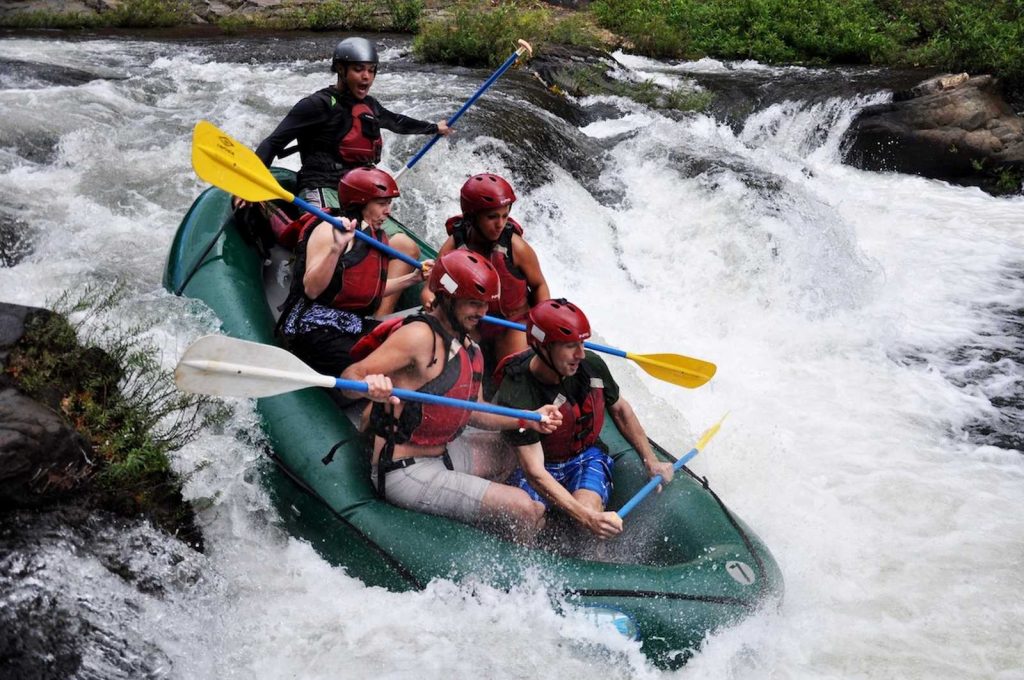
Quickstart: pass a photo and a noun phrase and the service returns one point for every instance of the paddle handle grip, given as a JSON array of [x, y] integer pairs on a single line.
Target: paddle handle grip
[[520, 327], [465, 107], [383, 247], [653, 484], [410, 395]]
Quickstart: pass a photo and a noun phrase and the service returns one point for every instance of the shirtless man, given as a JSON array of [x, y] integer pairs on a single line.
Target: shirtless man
[[432, 352]]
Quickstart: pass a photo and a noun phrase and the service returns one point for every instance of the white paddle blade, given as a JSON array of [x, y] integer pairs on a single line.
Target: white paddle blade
[[226, 367]]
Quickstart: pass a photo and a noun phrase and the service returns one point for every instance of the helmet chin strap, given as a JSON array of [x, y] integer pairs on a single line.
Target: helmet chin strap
[[545, 357]]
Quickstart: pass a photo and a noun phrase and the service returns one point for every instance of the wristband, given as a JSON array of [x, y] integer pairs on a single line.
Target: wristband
[[522, 424]]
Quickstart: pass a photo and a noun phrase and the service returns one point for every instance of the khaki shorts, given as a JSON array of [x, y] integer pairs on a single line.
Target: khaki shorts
[[429, 486]]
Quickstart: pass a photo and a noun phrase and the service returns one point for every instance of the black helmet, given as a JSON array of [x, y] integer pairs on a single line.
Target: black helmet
[[353, 50]]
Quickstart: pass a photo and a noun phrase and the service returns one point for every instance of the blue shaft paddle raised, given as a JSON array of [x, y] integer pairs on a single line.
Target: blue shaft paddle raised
[[657, 479]]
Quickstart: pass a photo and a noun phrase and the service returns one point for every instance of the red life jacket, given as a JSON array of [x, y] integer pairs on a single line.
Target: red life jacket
[[513, 303], [430, 424], [287, 232], [375, 338], [359, 277], [362, 144], [582, 409]]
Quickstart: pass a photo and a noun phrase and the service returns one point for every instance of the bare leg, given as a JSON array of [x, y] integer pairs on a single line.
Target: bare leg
[[512, 509], [589, 499], [396, 268]]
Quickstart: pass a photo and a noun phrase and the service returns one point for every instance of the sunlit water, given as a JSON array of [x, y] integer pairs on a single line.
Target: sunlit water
[[866, 328]]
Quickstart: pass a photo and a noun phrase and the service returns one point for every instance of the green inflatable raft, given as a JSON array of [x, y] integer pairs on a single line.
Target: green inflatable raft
[[684, 566]]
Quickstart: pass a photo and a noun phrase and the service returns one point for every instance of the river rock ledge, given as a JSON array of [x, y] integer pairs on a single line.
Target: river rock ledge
[[46, 464], [953, 127], [41, 456]]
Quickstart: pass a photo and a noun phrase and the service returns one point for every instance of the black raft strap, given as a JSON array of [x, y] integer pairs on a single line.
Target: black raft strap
[[326, 460]]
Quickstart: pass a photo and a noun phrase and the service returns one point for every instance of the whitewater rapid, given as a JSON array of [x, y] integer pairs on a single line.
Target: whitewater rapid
[[866, 329]]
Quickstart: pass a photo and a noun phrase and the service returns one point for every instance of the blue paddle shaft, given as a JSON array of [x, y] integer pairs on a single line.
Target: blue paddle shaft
[[653, 484], [458, 114], [520, 327], [309, 207], [410, 395]]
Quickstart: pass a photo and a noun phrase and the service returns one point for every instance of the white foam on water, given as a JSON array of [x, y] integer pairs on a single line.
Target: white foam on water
[[832, 300]]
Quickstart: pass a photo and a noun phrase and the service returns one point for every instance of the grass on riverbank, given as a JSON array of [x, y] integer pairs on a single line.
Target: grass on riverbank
[[972, 35], [327, 15], [129, 14], [479, 33]]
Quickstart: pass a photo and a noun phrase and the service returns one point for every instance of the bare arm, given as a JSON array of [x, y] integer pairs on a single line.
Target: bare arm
[[526, 259], [400, 283], [629, 425], [427, 297], [402, 357], [601, 524], [325, 246]]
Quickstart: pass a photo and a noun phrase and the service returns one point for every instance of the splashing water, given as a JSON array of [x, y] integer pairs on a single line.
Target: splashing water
[[865, 325]]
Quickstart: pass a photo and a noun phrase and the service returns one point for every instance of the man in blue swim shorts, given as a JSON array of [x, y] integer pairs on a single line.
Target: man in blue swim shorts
[[569, 468]]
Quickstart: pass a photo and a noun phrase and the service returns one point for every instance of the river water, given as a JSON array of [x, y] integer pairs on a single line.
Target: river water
[[866, 328]]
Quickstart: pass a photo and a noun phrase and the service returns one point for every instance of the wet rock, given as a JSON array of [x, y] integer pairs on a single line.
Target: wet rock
[[16, 241], [577, 71], [29, 75], [952, 127], [40, 456]]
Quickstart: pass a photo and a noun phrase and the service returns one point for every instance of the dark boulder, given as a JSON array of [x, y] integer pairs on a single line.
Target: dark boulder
[[956, 128], [41, 456]]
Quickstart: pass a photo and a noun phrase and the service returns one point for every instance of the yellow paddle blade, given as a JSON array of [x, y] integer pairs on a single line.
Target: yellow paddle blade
[[711, 432], [675, 368], [229, 165]]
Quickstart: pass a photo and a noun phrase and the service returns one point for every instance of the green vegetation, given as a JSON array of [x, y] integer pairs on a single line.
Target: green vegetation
[[972, 35], [106, 382], [476, 33], [129, 14], [333, 15], [592, 79]]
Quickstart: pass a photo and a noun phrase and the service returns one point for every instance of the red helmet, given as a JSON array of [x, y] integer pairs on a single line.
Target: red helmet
[[465, 275], [485, 192], [359, 186], [556, 321]]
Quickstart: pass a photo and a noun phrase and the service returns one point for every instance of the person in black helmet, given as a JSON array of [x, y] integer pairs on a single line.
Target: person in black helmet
[[338, 127]]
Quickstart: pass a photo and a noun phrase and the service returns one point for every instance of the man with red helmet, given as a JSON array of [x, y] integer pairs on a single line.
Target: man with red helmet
[[569, 468], [340, 282], [432, 352], [485, 227]]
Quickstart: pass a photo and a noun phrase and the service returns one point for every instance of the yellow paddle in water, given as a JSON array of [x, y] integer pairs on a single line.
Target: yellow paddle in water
[[229, 165]]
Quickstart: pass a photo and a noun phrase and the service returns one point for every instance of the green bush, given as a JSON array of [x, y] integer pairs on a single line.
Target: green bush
[[971, 35], [478, 33], [148, 13], [129, 14], [766, 30], [405, 15], [108, 384]]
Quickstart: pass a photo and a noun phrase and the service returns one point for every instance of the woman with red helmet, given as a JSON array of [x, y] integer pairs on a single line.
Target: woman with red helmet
[[570, 467], [432, 352], [485, 227], [339, 282]]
